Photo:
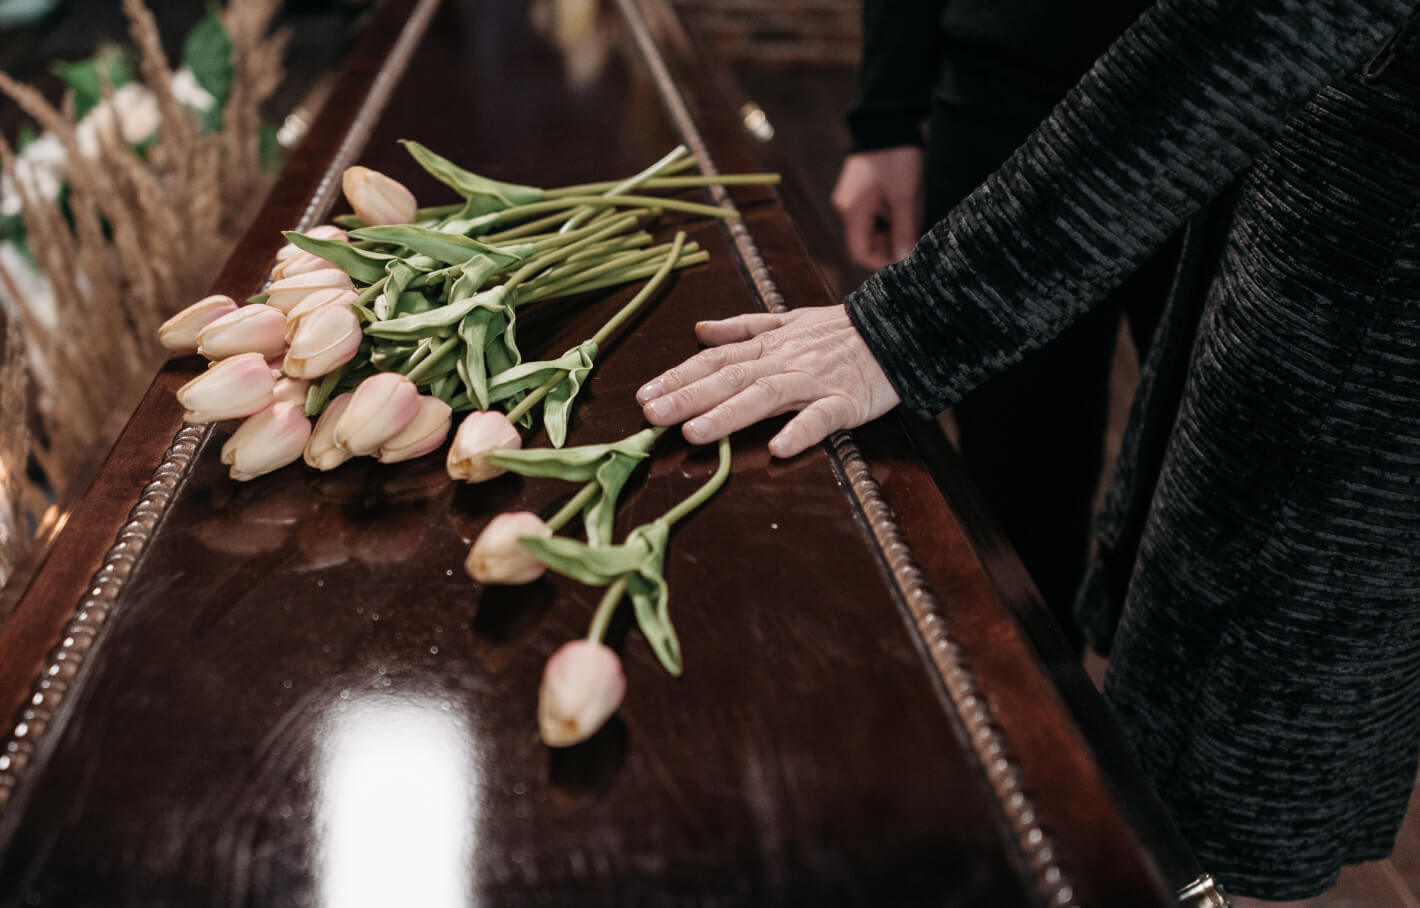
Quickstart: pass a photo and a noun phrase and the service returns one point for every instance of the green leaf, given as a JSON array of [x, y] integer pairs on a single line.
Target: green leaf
[[361, 264], [82, 77], [412, 302], [449, 248], [400, 274], [208, 53], [26, 137], [599, 519], [484, 195], [592, 565], [576, 464], [479, 329], [533, 373], [421, 323], [650, 597]]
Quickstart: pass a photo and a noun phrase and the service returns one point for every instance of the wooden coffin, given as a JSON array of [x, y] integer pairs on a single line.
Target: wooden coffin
[[288, 692]]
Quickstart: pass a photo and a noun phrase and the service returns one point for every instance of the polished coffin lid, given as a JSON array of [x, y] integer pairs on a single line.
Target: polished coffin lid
[[288, 691]]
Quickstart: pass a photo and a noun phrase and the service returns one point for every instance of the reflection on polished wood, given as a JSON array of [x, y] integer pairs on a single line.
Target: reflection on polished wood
[[299, 698]]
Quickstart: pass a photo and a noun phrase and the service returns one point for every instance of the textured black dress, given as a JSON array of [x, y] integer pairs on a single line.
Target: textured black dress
[[1259, 580]]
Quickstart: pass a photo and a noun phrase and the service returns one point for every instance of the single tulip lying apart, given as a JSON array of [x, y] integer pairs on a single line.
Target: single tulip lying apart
[[498, 554], [582, 686]]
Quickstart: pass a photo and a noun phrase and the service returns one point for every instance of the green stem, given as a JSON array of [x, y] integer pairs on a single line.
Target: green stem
[[518, 212], [537, 394], [637, 272], [685, 163], [574, 506], [643, 294], [664, 182], [537, 263], [712, 485], [370, 292], [625, 186], [433, 359], [606, 608], [565, 275]]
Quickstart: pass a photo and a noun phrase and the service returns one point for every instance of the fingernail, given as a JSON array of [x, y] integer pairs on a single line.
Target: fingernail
[[777, 445], [659, 408], [651, 389], [697, 428]]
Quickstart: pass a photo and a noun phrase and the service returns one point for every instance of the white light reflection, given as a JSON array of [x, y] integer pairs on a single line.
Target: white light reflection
[[398, 797]]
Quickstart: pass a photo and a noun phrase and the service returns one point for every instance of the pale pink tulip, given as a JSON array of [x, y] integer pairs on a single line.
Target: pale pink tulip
[[267, 441], [424, 433], [329, 297], [324, 341], [498, 554], [378, 199], [250, 329], [380, 408], [323, 232], [481, 432], [237, 386], [301, 263], [582, 686], [287, 292], [292, 389], [322, 453], [180, 332]]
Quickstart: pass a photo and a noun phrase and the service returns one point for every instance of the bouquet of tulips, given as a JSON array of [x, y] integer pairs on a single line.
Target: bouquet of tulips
[[383, 326], [386, 324]]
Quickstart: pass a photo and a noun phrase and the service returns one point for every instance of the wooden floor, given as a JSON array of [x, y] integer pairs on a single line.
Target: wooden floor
[[805, 106]]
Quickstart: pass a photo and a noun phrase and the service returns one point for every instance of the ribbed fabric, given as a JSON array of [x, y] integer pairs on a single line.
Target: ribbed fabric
[[1266, 666]]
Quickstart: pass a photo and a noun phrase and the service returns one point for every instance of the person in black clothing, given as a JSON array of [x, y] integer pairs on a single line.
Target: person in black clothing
[[987, 72], [1257, 583]]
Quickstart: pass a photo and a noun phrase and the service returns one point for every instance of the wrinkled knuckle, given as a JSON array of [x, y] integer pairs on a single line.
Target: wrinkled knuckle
[[768, 389], [734, 375]]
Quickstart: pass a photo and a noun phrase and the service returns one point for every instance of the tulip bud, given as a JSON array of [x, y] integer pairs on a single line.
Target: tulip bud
[[424, 433], [250, 329], [267, 441], [287, 292], [481, 432], [498, 554], [313, 301], [302, 263], [378, 199], [322, 453], [325, 340], [291, 389], [180, 332], [323, 232], [582, 686], [237, 386], [380, 408]]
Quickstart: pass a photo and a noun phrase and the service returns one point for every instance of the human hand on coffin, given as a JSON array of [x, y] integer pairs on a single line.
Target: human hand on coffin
[[812, 360]]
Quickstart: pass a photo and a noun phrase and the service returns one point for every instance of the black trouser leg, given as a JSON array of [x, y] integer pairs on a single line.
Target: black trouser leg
[[1032, 437]]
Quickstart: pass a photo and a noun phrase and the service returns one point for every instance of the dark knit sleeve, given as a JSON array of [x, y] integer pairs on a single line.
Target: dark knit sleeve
[[1173, 111], [902, 54]]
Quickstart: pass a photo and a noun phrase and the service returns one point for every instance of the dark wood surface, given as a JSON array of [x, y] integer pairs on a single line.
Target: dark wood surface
[[300, 698]]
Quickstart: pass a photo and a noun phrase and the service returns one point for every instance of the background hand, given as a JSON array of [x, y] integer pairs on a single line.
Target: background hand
[[812, 360], [876, 198]]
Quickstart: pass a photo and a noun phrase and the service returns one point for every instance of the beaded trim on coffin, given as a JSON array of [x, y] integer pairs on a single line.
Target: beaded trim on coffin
[[970, 703]]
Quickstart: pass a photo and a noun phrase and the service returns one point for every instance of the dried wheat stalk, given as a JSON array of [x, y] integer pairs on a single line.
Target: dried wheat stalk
[[170, 220]]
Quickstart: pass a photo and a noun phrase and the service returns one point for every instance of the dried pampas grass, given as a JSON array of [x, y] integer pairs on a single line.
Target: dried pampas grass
[[143, 237]]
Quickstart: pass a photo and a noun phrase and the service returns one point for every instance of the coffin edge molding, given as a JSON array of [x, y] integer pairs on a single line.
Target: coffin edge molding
[[60, 672], [1034, 843]]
